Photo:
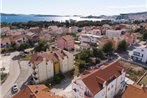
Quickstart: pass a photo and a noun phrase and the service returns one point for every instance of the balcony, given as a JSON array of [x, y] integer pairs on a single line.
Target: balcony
[[87, 95]]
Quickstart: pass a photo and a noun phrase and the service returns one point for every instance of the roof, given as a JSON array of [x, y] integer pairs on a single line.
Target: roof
[[36, 91], [97, 77], [135, 91], [67, 37], [5, 40], [116, 31], [38, 57]]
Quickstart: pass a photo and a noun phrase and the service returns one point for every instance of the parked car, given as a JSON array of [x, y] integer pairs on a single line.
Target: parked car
[[14, 88]]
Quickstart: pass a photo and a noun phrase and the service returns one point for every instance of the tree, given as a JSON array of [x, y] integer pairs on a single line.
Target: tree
[[81, 63], [23, 46], [98, 53], [122, 46], [145, 35], [108, 48], [42, 46]]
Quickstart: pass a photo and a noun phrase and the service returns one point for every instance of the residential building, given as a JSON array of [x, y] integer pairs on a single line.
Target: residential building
[[65, 42], [5, 42], [47, 64], [89, 38], [104, 82], [113, 33], [140, 54], [73, 29], [135, 91], [44, 66], [129, 38], [18, 39], [35, 29], [36, 91]]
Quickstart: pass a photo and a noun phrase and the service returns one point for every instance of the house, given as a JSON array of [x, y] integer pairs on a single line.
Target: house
[[65, 42], [18, 39], [113, 33], [89, 38], [5, 42], [106, 26], [140, 54], [135, 91], [35, 29], [36, 91], [73, 29], [129, 38], [104, 82], [47, 64]]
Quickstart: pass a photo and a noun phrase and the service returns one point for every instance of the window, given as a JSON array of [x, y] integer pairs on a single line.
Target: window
[[108, 89], [111, 86]]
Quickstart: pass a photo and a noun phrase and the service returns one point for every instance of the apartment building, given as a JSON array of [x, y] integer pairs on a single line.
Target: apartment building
[[104, 82], [89, 38], [46, 64], [113, 33], [65, 42], [140, 54]]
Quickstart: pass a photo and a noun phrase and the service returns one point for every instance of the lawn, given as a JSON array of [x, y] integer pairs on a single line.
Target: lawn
[[134, 72], [26, 58], [144, 81]]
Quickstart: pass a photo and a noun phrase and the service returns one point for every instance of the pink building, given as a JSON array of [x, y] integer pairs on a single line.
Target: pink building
[[65, 42]]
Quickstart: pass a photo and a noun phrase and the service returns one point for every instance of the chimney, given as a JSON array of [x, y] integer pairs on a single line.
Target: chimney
[[37, 90]]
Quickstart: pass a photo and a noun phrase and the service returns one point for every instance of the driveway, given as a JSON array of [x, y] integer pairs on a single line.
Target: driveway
[[64, 88]]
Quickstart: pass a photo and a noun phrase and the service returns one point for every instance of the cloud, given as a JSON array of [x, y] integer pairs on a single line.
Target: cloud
[[127, 6]]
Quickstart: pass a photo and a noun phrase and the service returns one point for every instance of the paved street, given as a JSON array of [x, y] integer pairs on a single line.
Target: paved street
[[14, 72], [16, 75], [25, 73]]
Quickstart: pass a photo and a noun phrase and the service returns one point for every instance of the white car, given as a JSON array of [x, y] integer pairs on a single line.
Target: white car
[[14, 88]]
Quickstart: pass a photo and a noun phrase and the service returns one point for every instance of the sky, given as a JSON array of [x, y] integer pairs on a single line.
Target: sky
[[73, 7]]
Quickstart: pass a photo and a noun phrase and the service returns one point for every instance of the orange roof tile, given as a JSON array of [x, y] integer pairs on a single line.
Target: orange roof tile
[[67, 37], [36, 91], [135, 91], [97, 77]]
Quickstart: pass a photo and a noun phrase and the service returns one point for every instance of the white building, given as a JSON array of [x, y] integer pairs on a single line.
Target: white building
[[113, 33], [46, 64], [89, 38], [73, 29], [140, 54], [104, 82]]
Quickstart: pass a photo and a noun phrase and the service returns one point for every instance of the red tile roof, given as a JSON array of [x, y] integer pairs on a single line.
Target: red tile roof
[[97, 77], [67, 37], [135, 91], [36, 91], [38, 57]]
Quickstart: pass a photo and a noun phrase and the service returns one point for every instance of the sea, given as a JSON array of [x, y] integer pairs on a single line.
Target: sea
[[26, 18]]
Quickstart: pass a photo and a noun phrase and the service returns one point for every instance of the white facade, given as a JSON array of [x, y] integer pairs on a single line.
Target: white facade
[[73, 29], [140, 54], [108, 90], [67, 62], [113, 33], [21, 40], [89, 38], [42, 71]]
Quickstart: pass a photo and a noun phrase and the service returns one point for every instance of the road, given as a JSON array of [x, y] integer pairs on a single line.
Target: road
[[14, 72], [25, 73]]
